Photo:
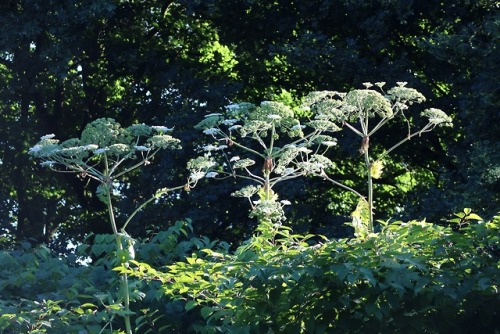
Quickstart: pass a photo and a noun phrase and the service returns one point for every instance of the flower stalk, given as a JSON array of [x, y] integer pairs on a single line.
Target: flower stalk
[[303, 151], [102, 154], [354, 111]]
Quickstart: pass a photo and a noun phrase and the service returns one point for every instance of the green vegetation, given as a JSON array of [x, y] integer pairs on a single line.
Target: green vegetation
[[415, 276], [357, 217]]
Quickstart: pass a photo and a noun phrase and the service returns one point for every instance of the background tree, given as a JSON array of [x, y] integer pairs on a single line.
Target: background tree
[[66, 63]]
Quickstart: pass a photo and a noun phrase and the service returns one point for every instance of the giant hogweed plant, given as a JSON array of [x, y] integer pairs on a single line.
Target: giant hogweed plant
[[105, 153], [272, 135], [268, 135], [365, 112]]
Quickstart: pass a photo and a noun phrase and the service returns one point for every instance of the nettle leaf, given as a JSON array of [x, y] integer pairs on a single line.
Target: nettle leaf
[[474, 216], [465, 216], [190, 305], [206, 312], [342, 270]]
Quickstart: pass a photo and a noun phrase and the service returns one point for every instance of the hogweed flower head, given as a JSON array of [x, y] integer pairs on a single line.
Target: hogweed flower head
[[437, 117], [49, 136], [102, 139], [162, 129], [211, 131]]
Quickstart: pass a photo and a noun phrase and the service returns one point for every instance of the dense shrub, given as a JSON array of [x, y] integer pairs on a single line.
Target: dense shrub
[[43, 293], [411, 277]]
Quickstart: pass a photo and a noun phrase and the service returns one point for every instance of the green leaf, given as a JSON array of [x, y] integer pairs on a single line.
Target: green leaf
[[89, 305], [474, 216], [190, 305], [206, 311], [341, 270]]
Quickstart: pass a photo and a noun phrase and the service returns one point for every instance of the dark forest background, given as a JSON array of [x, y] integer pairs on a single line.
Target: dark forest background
[[65, 63]]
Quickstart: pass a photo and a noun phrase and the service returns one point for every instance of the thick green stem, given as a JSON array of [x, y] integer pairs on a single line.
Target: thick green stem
[[150, 156], [365, 149], [247, 149], [124, 279], [370, 190]]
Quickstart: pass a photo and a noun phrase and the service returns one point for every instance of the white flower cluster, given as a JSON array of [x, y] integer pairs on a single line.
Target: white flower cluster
[[234, 127], [142, 148], [211, 131], [229, 122], [233, 107], [215, 114], [196, 176], [101, 137], [274, 117], [211, 147], [437, 117], [50, 136], [101, 150], [162, 129]]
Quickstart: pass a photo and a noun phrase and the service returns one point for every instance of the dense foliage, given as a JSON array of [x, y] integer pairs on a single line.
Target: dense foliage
[[134, 235], [440, 278], [64, 64], [43, 293], [414, 276]]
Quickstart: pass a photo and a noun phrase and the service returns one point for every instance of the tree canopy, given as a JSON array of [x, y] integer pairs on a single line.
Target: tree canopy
[[238, 166], [64, 64]]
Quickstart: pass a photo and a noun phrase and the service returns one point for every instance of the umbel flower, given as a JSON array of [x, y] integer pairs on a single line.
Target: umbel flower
[[103, 140], [270, 135]]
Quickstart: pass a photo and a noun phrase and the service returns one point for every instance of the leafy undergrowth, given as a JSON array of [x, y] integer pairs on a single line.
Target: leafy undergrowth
[[409, 277], [43, 293], [414, 277]]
